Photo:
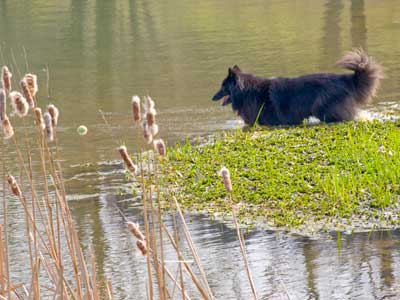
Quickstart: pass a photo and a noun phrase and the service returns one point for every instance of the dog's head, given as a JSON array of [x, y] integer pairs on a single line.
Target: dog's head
[[227, 86]]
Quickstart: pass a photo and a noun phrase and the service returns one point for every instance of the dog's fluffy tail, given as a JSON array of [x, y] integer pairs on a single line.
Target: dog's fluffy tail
[[367, 74]]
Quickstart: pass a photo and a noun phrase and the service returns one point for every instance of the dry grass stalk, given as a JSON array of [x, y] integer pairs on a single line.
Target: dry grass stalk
[[31, 80], [54, 113], [136, 109], [19, 104], [8, 130], [48, 126], [39, 118], [3, 105], [27, 93], [6, 79], [127, 160]]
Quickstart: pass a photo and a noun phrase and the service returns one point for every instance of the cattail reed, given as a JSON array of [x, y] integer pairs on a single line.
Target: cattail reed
[[14, 186], [19, 104], [136, 109], [6, 79], [154, 129], [147, 133], [31, 80], [148, 103], [151, 117], [8, 130], [54, 113], [27, 93], [226, 178], [142, 247], [39, 118], [48, 126], [159, 146], [2, 104], [127, 160], [134, 229]]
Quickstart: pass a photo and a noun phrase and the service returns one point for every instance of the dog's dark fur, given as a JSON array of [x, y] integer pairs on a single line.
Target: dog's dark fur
[[288, 101]]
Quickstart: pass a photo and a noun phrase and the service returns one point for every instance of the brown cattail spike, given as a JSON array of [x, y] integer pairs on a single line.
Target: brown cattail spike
[[27, 93], [48, 126], [148, 103], [147, 133], [39, 118], [127, 160], [31, 80], [14, 186], [134, 229], [2, 104], [6, 79], [142, 247], [136, 109], [226, 178], [151, 117], [54, 113], [159, 146], [19, 104], [8, 130]]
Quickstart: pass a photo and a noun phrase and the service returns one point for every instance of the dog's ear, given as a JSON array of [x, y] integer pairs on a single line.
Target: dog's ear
[[236, 70]]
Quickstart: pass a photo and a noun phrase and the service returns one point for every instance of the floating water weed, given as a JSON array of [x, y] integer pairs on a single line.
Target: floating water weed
[[6, 79], [27, 93], [135, 230], [2, 104], [19, 104], [8, 130], [54, 113], [37, 111], [48, 126], [136, 109], [14, 186], [127, 160]]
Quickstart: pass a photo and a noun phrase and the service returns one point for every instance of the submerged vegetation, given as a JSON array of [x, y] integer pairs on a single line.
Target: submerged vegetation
[[342, 176]]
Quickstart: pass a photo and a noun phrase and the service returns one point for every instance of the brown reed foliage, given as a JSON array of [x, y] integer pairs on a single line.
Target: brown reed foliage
[[54, 113], [8, 130], [48, 126], [39, 118], [3, 104], [159, 147], [27, 93], [31, 80], [127, 160], [136, 109], [14, 186]]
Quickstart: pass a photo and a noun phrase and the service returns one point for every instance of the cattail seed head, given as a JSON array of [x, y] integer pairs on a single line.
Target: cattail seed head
[[159, 146], [31, 80], [151, 116], [136, 109], [6, 79], [134, 229], [19, 104], [154, 129], [54, 113], [8, 130], [48, 126], [127, 160], [2, 104], [226, 178], [14, 186], [142, 247], [27, 93], [39, 118], [147, 133], [148, 103]]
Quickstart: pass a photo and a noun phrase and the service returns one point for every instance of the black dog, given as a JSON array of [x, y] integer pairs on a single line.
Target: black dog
[[288, 101]]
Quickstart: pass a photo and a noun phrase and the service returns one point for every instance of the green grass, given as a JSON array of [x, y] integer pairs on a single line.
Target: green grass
[[305, 178]]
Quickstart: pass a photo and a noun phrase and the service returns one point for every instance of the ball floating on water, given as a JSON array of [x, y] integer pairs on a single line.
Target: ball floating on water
[[82, 130]]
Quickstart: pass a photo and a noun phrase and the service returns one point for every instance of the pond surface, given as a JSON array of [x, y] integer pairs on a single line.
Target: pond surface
[[100, 53]]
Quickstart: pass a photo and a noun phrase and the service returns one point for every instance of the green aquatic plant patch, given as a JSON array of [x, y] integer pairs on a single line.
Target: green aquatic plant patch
[[307, 178]]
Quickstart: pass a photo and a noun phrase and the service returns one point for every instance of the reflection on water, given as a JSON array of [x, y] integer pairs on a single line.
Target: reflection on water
[[101, 52]]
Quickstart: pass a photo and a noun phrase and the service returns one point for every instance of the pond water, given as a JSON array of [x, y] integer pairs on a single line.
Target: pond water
[[100, 53]]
